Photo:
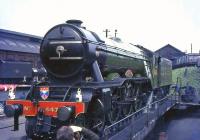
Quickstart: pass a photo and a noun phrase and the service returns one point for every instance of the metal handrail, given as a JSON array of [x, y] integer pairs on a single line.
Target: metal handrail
[[147, 107], [144, 116]]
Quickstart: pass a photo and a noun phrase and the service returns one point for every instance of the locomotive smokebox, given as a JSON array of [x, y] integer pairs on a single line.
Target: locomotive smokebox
[[65, 49]]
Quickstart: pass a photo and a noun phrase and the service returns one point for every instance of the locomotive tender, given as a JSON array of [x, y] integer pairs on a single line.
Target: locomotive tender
[[90, 82]]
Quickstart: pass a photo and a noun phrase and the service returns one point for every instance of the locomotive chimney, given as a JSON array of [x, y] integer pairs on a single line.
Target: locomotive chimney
[[75, 22]]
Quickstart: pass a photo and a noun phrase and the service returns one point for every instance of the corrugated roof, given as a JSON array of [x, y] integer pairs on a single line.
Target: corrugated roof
[[13, 41], [20, 35]]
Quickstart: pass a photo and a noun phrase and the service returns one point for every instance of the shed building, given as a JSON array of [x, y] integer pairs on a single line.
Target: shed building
[[19, 53]]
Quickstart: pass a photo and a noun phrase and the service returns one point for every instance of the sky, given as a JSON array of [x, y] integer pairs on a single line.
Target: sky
[[150, 23]]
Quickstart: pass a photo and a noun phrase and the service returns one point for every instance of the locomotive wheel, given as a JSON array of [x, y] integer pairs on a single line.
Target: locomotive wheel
[[127, 95], [115, 112], [30, 127], [138, 102], [121, 103], [96, 116], [141, 96]]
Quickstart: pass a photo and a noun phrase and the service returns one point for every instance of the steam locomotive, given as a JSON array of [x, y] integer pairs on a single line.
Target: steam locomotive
[[90, 82]]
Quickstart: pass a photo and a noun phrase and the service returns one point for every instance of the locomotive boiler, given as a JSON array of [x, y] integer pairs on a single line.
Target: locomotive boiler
[[69, 51], [91, 82]]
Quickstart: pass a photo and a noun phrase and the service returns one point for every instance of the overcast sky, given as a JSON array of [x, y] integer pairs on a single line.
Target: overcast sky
[[151, 23]]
